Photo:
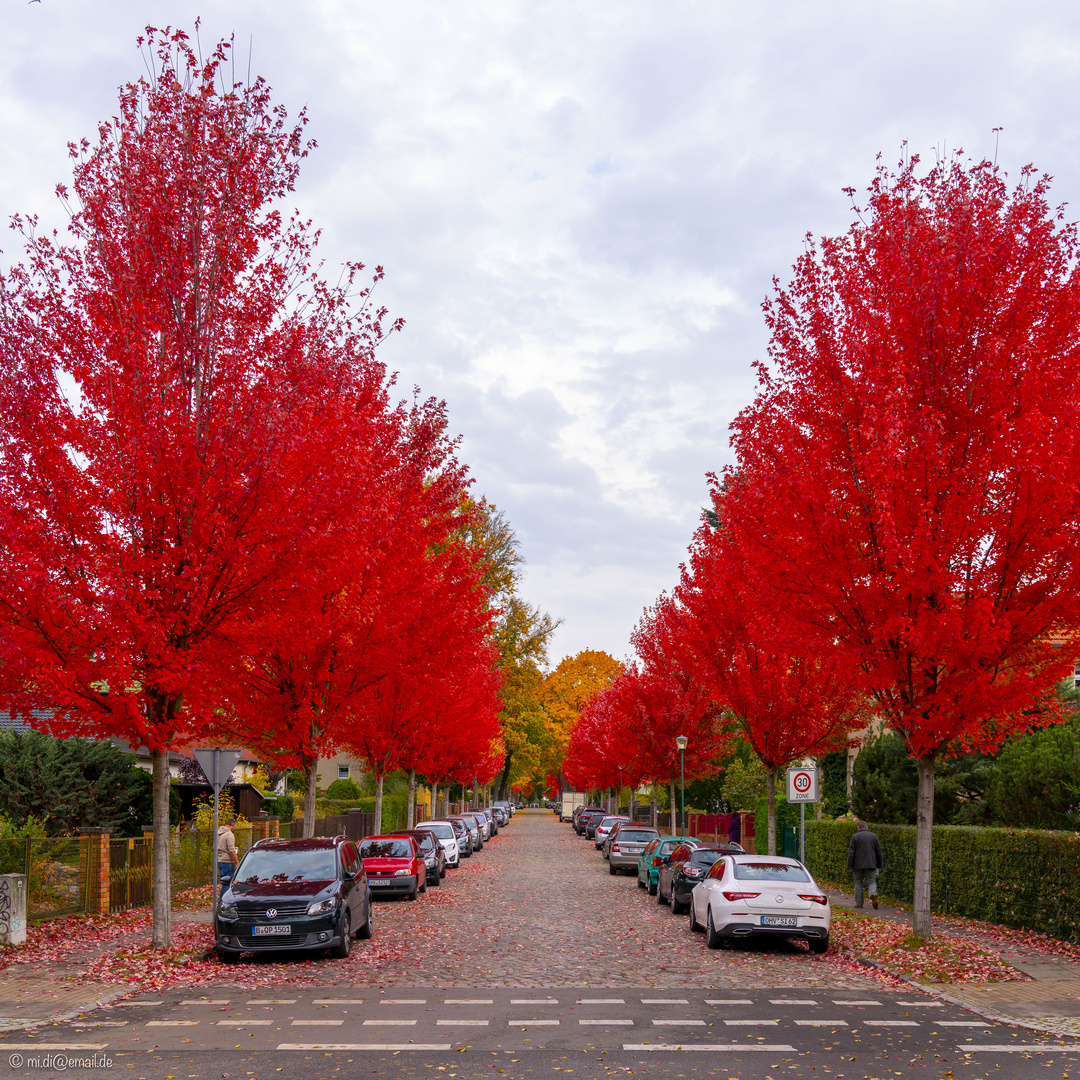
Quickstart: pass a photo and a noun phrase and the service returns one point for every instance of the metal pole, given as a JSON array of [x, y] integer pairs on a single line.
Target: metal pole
[[682, 790], [213, 837], [802, 832]]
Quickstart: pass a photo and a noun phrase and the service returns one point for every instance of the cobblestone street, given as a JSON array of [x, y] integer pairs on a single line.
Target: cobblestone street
[[537, 907]]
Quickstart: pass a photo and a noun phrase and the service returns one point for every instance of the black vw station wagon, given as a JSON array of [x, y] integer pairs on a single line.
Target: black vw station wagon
[[295, 894]]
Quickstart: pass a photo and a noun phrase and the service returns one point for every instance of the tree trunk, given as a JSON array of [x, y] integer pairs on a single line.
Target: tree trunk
[[434, 801], [378, 802], [655, 808], [475, 793], [674, 810], [410, 819], [311, 780], [924, 834], [162, 788], [632, 804], [770, 791]]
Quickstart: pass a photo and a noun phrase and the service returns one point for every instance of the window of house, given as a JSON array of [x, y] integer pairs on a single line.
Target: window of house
[[343, 772]]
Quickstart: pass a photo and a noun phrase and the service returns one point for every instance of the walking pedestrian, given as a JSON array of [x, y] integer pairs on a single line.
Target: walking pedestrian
[[734, 829], [227, 860], [864, 862]]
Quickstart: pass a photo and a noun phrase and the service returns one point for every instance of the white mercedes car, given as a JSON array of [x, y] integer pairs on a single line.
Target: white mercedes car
[[760, 896]]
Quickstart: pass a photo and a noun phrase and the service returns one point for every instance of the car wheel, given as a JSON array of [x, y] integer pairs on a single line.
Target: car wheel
[[228, 957], [612, 870], [660, 898], [677, 907], [422, 888], [712, 938], [415, 892], [819, 945], [342, 949], [652, 887], [365, 931], [695, 926], [438, 878]]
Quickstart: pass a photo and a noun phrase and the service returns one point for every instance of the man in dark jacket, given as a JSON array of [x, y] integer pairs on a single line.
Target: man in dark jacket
[[734, 829], [864, 862]]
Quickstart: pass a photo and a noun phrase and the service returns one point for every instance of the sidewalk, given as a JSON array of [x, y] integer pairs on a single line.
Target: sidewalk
[[1044, 996]]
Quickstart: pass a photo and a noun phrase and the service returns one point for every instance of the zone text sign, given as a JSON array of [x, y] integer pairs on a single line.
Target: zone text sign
[[802, 785]]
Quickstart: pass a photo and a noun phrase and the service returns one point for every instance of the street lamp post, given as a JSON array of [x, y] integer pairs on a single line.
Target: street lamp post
[[680, 742]]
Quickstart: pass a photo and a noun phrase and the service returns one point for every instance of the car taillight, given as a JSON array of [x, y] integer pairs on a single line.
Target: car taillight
[[692, 871], [615, 847], [741, 895], [814, 898], [657, 861]]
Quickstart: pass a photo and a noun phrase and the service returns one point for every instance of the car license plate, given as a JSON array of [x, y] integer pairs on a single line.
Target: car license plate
[[779, 920], [270, 931], [633, 851]]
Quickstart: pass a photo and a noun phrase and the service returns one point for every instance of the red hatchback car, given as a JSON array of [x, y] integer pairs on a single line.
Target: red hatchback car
[[394, 866]]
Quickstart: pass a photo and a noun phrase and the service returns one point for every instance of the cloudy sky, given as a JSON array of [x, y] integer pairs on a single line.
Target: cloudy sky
[[580, 208]]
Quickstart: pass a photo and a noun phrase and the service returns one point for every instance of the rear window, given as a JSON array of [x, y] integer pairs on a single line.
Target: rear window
[[634, 836], [265, 864], [769, 872], [704, 858], [386, 849], [605, 822]]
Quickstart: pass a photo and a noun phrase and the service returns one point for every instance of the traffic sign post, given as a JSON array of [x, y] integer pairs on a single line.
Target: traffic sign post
[[802, 787], [218, 765]]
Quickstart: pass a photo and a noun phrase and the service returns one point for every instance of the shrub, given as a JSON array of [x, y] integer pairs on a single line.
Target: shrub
[[1016, 877], [786, 814], [283, 807], [343, 789]]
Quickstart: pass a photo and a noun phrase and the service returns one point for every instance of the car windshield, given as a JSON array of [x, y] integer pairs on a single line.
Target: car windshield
[[266, 864], [443, 832], [704, 857], [636, 836], [745, 871], [386, 849]]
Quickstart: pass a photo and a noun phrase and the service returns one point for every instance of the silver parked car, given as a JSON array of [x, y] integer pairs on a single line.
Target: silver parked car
[[605, 827], [626, 845]]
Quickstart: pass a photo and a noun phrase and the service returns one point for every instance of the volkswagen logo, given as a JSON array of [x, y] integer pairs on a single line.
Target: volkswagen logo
[[272, 912], [779, 900]]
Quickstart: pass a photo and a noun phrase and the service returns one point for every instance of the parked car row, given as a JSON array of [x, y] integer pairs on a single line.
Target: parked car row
[[726, 892], [316, 894]]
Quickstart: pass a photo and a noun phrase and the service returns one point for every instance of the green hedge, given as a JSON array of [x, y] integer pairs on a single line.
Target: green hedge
[[1015, 877], [786, 814], [339, 806]]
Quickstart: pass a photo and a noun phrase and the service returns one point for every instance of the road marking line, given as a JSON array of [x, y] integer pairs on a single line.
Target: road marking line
[[460, 1023], [171, 1023], [534, 1001], [664, 1001], [791, 1001], [856, 1002], [244, 1023], [207, 1001], [751, 1023], [924, 1004], [601, 1001], [365, 1046], [605, 1023], [133, 1003], [338, 1001], [99, 1023], [1017, 1048], [54, 1046], [964, 1023], [468, 1001], [389, 1023], [679, 1023], [403, 1001], [317, 1023], [728, 1001], [739, 1048], [891, 1023], [821, 1023], [532, 1023], [272, 1001]]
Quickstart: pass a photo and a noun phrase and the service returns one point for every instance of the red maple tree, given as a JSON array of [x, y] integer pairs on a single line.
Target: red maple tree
[[908, 468]]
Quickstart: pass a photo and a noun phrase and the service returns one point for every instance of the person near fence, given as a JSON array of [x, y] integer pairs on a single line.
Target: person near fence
[[864, 862], [734, 829], [227, 860]]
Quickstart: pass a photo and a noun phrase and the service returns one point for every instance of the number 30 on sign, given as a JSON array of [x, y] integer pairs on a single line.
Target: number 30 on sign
[[802, 785]]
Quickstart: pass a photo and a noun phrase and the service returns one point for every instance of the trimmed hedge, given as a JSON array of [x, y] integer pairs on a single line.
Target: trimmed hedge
[[339, 806], [1015, 877], [786, 814]]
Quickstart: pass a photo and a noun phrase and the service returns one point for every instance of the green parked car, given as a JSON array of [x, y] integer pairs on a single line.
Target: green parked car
[[648, 867]]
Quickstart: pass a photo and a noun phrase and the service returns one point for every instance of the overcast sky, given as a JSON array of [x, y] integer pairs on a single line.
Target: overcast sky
[[580, 207]]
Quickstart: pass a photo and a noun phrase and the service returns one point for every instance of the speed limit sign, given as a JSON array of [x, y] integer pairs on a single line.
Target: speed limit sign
[[802, 785]]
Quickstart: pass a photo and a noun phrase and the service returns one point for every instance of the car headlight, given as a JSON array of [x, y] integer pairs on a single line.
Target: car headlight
[[228, 911], [400, 873], [323, 906]]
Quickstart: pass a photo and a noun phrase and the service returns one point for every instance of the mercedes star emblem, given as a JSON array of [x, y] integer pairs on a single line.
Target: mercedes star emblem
[[779, 900]]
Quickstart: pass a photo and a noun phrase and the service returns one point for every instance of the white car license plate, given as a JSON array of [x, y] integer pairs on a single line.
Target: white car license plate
[[633, 850], [779, 920], [270, 931]]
